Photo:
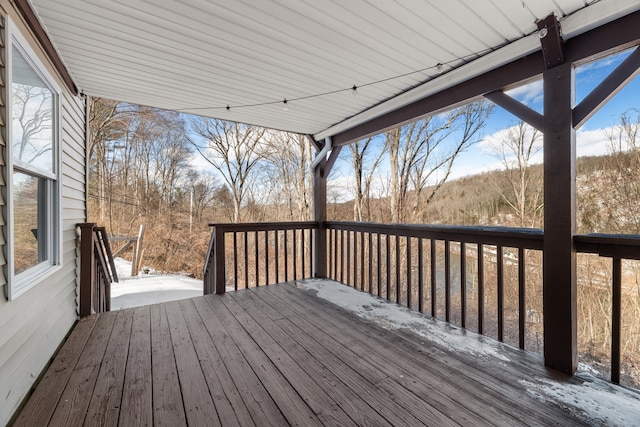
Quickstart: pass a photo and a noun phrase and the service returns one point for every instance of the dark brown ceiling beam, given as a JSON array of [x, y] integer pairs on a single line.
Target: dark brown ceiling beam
[[607, 89], [497, 79], [616, 35], [335, 152], [315, 143], [518, 109], [32, 21]]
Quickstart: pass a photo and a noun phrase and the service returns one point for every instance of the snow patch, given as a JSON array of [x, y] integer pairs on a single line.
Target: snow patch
[[150, 288], [590, 399], [392, 316]]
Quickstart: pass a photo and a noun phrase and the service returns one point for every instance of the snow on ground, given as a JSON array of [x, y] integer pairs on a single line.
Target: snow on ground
[[150, 288], [595, 401]]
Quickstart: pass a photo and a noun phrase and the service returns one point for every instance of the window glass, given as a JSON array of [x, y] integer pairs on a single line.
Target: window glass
[[34, 205], [26, 190], [32, 118]]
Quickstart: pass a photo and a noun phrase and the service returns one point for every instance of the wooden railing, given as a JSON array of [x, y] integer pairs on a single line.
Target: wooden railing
[[487, 279], [437, 268], [617, 247], [254, 254], [97, 270]]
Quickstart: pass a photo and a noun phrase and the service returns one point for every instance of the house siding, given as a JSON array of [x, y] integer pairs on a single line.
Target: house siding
[[34, 324]]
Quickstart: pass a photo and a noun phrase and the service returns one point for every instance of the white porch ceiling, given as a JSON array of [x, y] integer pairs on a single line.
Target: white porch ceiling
[[198, 56]]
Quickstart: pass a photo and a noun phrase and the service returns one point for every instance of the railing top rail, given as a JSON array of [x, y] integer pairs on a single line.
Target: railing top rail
[[264, 226], [625, 246], [528, 238]]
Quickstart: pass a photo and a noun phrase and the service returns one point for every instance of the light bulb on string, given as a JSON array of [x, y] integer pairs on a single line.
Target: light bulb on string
[[439, 67], [354, 91], [285, 105]]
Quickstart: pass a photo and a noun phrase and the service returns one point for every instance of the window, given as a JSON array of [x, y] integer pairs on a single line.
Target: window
[[33, 177]]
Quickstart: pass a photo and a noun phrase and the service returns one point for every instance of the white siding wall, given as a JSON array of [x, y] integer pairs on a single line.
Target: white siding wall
[[34, 324]]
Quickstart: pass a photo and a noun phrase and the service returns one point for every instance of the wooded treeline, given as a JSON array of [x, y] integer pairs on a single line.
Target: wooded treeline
[[177, 173]]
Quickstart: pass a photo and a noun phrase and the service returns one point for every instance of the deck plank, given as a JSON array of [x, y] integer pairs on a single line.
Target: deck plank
[[292, 406], [261, 407], [229, 404], [347, 388], [168, 408], [198, 404], [276, 355], [325, 397], [137, 406], [104, 408], [42, 403], [72, 408], [394, 397], [471, 385], [354, 370]]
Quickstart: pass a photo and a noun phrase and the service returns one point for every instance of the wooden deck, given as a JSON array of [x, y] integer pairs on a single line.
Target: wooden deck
[[273, 355]]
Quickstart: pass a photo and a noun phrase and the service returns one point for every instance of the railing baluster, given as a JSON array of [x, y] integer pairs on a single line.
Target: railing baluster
[[362, 260], [302, 241], [388, 260], [332, 255], [397, 240], [355, 259], [408, 271], [295, 254], [246, 259], [480, 288], [500, 294], [463, 285], [420, 275], [434, 278], [235, 260], [286, 255], [342, 257], [348, 243], [266, 257], [257, 259], [447, 280], [370, 237], [521, 298], [379, 271], [275, 242], [616, 304]]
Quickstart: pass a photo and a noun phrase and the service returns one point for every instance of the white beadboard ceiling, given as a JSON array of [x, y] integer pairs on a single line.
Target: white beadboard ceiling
[[198, 56]]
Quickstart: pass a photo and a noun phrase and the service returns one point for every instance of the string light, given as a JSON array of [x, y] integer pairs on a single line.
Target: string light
[[438, 68]]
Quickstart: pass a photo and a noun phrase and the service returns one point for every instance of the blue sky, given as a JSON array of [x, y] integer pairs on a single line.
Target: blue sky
[[590, 137]]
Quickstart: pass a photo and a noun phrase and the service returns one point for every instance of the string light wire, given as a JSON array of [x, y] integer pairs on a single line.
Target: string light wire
[[353, 89]]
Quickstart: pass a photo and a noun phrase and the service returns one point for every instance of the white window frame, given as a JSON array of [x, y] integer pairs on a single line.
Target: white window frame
[[18, 284]]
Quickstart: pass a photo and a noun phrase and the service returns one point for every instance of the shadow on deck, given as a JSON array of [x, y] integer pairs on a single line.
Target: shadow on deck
[[276, 355]]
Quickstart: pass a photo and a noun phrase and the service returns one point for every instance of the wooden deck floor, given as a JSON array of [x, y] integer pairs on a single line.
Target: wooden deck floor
[[273, 356]]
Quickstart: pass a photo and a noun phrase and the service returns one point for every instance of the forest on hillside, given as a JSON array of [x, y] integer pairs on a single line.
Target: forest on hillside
[[176, 174]]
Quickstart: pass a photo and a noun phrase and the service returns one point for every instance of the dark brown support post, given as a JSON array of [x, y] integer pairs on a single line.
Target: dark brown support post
[[320, 216], [559, 262], [87, 268]]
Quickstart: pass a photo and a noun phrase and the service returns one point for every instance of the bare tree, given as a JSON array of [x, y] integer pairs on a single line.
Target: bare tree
[[621, 176], [364, 172], [423, 152], [234, 150], [289, 156], [516, 150]]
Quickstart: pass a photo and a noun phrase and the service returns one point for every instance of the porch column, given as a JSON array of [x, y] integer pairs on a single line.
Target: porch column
[[559, 261], [320, 216]]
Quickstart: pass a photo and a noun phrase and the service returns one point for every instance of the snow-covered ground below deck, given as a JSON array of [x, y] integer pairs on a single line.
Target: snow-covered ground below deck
[[592, 400], [150, 288]]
